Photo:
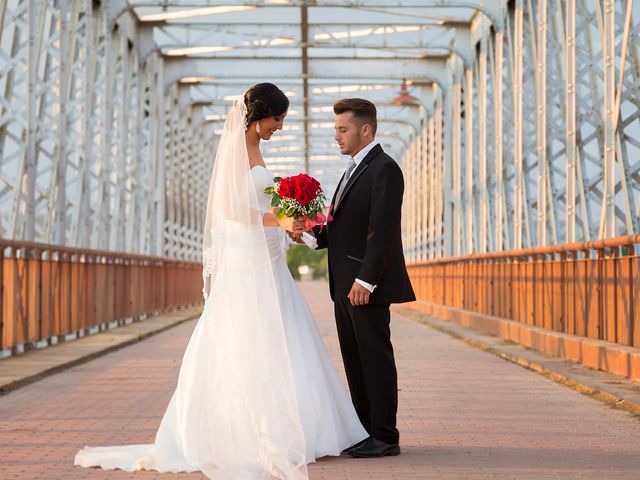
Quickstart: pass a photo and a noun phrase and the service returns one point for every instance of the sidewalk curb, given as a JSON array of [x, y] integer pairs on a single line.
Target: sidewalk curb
[[10, 386], [465, 334]]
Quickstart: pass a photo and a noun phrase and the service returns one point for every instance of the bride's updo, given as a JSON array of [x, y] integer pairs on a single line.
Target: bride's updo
[[265, 100]]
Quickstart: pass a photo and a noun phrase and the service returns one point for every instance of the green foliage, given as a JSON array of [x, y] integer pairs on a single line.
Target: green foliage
[[302, 255]]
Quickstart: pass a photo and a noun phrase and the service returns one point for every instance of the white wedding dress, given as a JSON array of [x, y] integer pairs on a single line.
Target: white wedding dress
[[231, 415]]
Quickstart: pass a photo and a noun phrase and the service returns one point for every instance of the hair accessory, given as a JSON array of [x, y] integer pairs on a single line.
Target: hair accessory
[[245, 112]]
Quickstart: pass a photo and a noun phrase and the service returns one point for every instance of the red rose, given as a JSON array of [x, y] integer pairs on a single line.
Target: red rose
[[293, 188], [287, 188], [299, 187], [306, 188], [283, 188]]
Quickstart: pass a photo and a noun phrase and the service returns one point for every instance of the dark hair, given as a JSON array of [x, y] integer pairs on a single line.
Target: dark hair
[[363, 110], [265, 100]]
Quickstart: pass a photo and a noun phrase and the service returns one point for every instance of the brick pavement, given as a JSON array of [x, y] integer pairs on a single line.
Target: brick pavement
[[463, 414], [25, 368]]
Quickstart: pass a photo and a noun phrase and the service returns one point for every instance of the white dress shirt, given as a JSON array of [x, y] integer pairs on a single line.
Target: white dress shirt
[[311, 241]]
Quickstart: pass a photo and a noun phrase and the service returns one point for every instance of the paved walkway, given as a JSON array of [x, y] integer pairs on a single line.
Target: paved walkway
[[20, 370], [463, 414]]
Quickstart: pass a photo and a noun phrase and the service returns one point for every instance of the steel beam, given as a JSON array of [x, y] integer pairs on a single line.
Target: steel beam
[[420, 70]]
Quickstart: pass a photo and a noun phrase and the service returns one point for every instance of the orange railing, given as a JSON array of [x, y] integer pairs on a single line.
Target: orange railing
[[589, 289], [51, 291]]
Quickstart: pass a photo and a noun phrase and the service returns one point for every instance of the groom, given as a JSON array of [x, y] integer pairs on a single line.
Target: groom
[[367, 272]]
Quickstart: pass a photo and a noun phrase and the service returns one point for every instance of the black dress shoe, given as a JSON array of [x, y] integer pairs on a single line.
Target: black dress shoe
[[373, 448], [356, 445]]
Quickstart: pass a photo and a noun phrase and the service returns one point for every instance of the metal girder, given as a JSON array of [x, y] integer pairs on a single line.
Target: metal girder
[[273, 37], [400, 8], [550, 123], [277, 68], [82, 126]]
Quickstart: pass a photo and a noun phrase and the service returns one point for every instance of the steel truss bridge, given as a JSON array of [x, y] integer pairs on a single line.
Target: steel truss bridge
[[524, 131], [520, 129]]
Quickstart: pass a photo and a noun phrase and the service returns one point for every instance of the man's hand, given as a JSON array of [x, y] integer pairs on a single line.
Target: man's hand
[[358, 295], [291, 225], [296, 237]]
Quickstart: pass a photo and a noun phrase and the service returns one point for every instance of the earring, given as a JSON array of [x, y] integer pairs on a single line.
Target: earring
[[258, 127]]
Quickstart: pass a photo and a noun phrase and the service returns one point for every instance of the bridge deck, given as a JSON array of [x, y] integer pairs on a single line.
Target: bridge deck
[[463, 414]]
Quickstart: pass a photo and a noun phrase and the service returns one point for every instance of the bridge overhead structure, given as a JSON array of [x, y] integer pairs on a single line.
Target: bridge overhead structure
[[523, 131], [533, 141], [110, 110]]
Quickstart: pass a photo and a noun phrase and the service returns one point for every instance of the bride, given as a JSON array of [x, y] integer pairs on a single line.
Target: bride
[[257, 396]]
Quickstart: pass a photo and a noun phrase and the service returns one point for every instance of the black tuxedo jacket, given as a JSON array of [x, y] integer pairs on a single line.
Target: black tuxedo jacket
[[364, 237]]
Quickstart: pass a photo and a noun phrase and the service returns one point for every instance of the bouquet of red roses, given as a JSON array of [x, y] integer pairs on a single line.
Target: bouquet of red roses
[[300, 197]]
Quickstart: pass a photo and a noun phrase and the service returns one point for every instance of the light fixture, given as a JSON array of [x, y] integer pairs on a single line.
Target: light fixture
[[365, 32], [271, 42], [405, 98], [348, 88], [283, 138], [175, 52], [278, 168], [196, 79], [286, 159], [285, 148], [323, 125], [192, 12], [320, 158]]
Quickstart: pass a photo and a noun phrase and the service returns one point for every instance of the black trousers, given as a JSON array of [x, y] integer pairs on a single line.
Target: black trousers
[[365, 343]]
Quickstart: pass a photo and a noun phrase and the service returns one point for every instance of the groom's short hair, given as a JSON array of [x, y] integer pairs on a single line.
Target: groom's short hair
[[362, 109]]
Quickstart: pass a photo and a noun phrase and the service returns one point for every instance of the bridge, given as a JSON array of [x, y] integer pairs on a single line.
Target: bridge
[[516, 124]]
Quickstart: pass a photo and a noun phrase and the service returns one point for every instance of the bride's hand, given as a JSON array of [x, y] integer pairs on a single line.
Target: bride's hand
[[292, 225], [289, 224]]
